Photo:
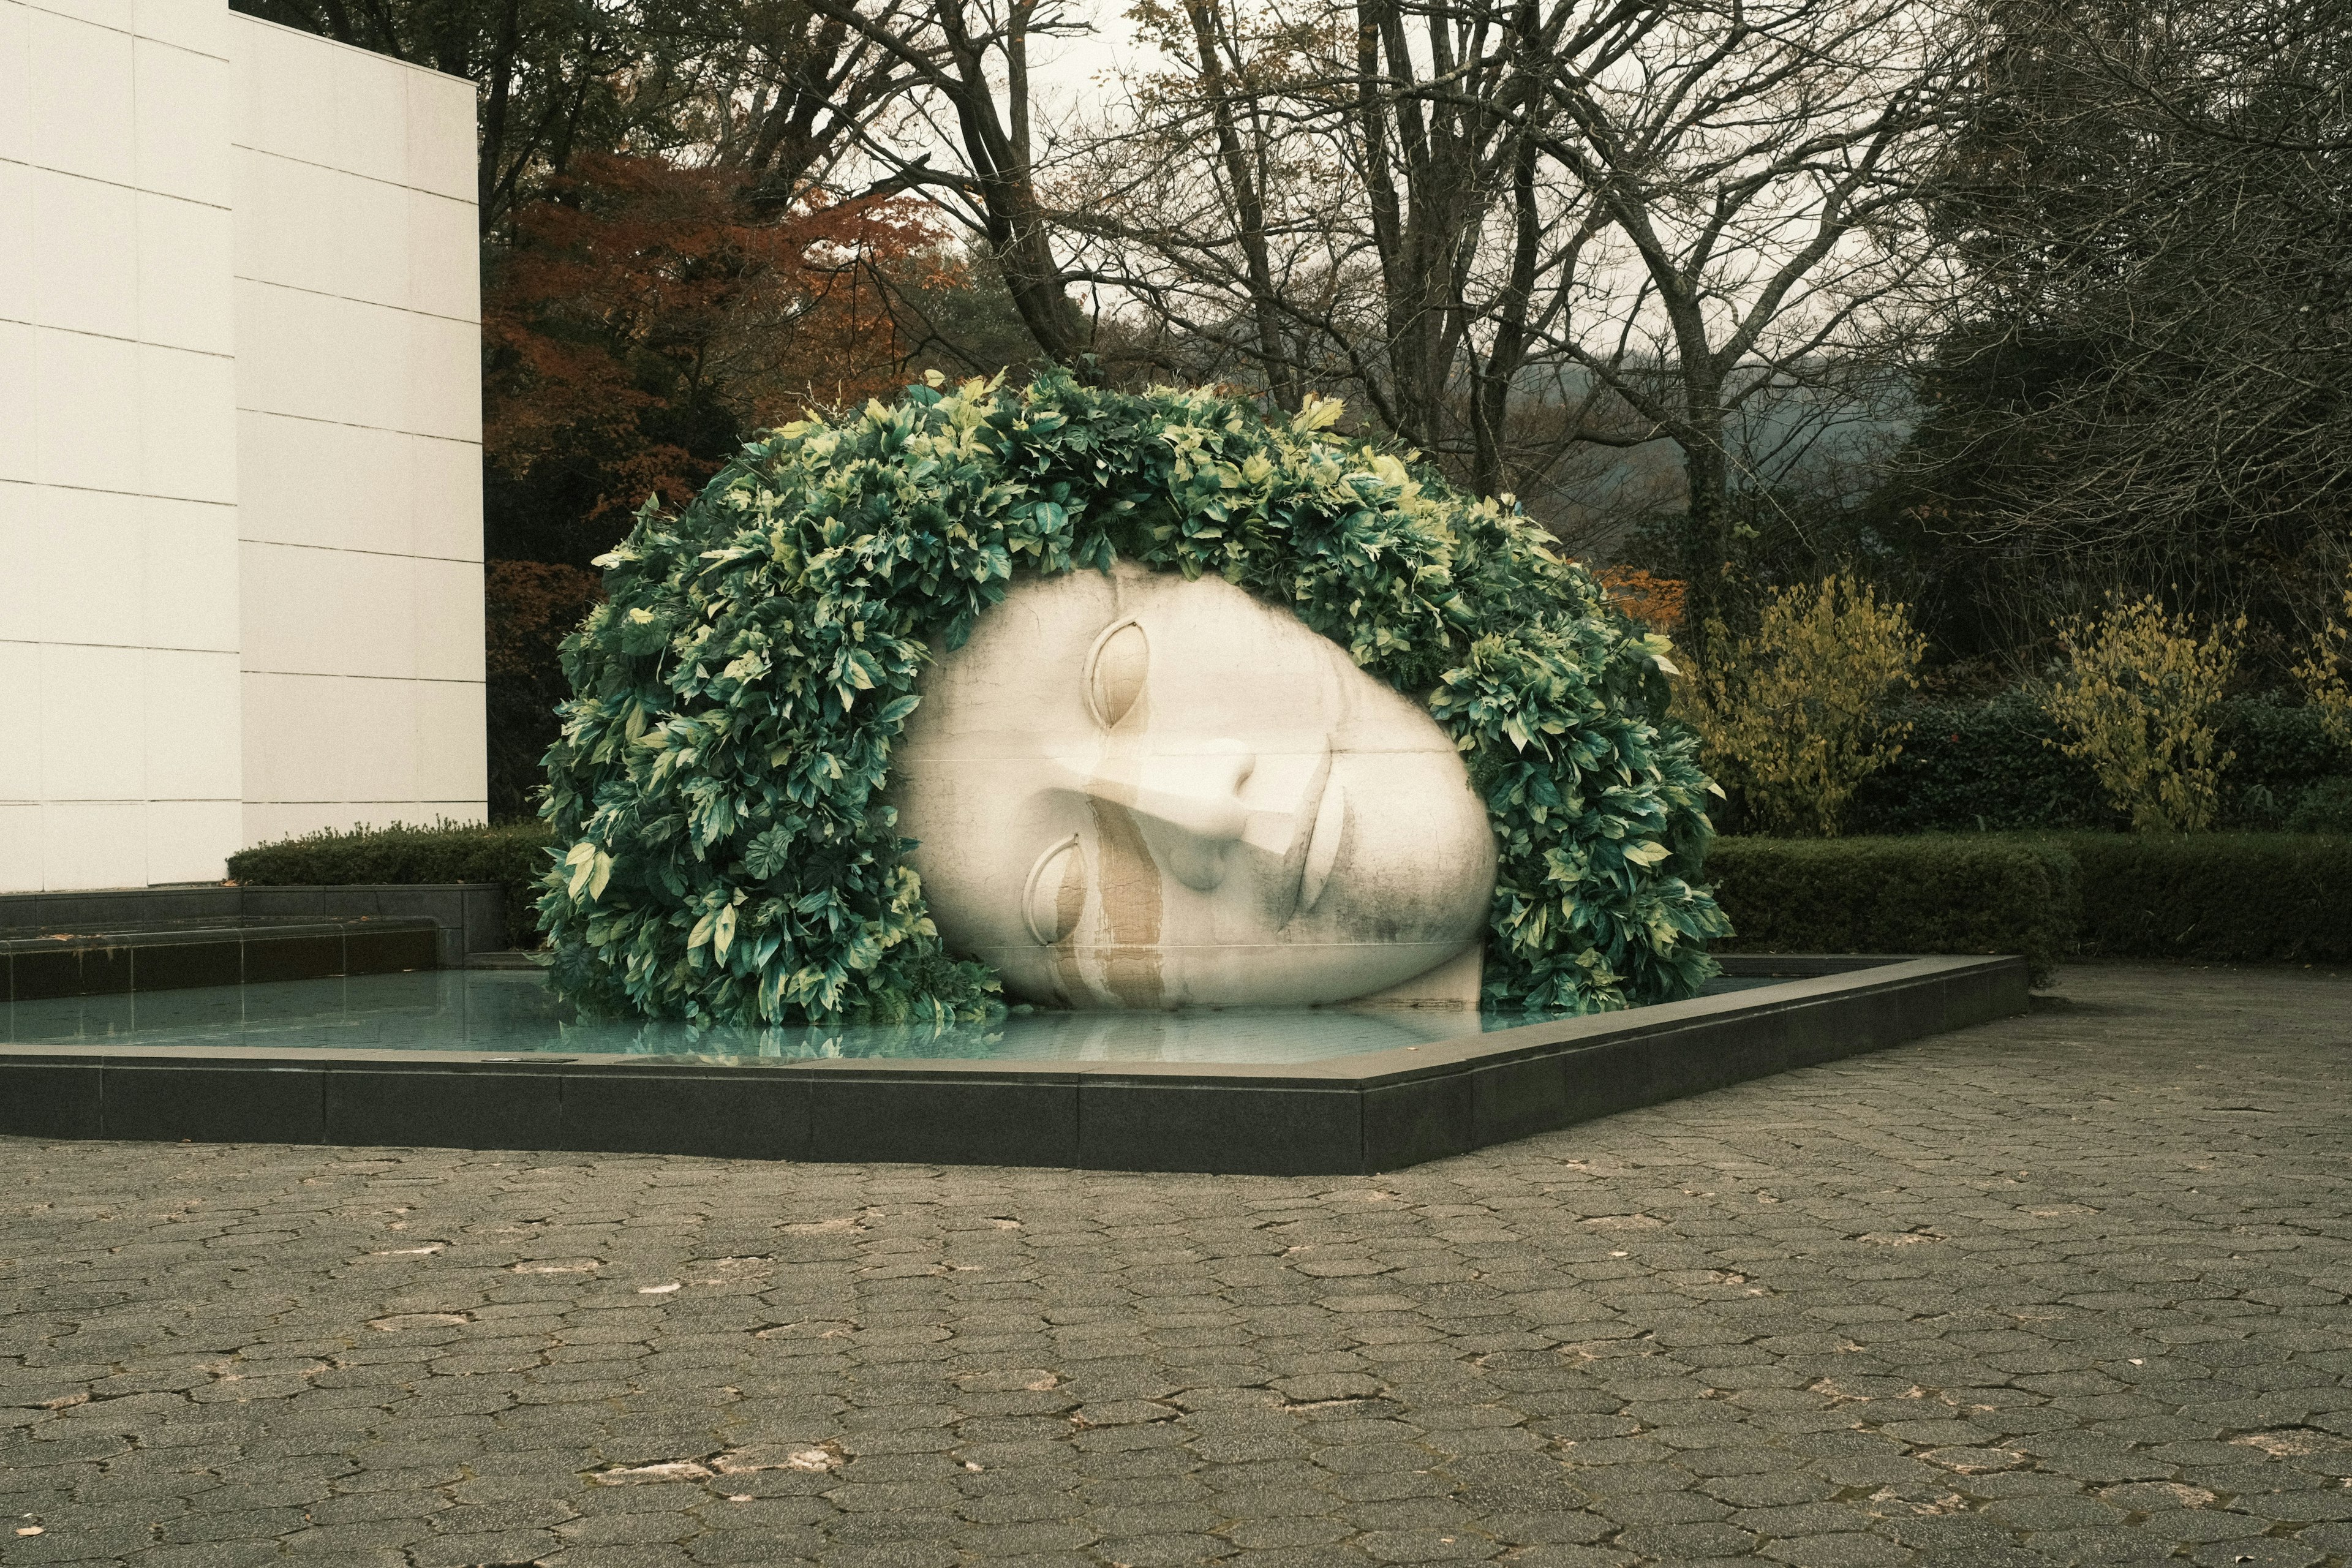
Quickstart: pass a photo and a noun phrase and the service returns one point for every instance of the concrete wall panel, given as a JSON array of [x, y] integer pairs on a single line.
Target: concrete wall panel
[[186, 300], [362, 556], [16, 87], [16, 395], [79, 100], [240, 508]]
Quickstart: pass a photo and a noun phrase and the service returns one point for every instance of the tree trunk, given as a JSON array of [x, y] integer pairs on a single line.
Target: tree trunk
[[1281, 375], [1490, 403], [488, 207], [1707, 527]]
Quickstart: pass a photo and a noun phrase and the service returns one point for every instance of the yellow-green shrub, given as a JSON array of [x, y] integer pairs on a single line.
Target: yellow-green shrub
[[1796, 714], [2138, 699], [2326, 675]]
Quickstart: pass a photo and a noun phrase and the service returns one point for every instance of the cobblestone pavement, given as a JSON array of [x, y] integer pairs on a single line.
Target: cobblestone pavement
[[2067, 1289]]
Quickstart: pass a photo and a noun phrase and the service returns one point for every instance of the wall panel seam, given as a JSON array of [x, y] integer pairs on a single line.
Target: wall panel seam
[[131, 32], [136, 190], [356, 300]]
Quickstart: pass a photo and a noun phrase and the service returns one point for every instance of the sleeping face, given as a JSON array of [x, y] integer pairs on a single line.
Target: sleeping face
[[1133, 791]]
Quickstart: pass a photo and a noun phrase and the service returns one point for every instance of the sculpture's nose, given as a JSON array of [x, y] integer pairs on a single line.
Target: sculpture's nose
[[1189, 806]]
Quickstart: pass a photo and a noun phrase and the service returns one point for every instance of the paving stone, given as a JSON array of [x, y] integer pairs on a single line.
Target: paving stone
[[2020, 1296], [2259, 1552]]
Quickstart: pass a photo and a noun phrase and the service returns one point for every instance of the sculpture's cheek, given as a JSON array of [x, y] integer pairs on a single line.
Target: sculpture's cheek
[[1415, 862], [1120, 954]]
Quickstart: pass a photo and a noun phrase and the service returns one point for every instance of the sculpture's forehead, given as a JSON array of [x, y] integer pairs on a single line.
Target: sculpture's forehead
[[1215, 660]]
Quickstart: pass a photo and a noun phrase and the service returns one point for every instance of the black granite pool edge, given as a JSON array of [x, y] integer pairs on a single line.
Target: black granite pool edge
[[1345, 1115], [57, 967], [471, 916]]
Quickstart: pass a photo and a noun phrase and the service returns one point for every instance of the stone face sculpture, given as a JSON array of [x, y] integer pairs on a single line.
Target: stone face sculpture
[[1134, 791]]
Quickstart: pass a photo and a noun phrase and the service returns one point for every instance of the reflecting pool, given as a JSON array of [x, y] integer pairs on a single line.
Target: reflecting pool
[[512, 1011]]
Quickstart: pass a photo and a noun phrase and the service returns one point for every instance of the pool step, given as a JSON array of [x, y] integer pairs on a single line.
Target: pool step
[[37, 965]]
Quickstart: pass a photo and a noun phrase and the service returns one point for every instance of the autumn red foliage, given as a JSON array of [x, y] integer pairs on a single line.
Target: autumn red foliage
[[1655, 602], [644, 319]]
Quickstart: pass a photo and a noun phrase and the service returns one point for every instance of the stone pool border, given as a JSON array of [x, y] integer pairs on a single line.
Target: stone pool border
[[470, 916], [1346, 1115]]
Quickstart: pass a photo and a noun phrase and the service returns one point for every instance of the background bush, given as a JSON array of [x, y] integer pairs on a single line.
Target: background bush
[[1919, 894], [511, 853], [2137, 701], [1795, 717], [1992, 766]]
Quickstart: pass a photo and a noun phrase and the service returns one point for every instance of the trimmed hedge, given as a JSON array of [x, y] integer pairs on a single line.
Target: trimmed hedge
[[1916, 894], [2247, 898], [513, 853], [2243, 897]]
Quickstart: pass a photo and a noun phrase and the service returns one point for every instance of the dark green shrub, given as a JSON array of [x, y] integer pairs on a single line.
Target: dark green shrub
[[1990, 767], [2256, 897], [1923, 893], [2324, 807], [1980, 767], [2283, 753], [512, 853]]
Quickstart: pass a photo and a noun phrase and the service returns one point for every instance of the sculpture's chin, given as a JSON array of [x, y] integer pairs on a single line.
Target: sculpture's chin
[[1274, 974]]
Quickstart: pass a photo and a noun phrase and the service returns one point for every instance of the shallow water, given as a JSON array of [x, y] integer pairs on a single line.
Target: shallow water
[[512, 1011]]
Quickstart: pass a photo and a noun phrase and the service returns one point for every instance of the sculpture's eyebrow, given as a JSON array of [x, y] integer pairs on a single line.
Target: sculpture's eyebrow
[[1115, 671]]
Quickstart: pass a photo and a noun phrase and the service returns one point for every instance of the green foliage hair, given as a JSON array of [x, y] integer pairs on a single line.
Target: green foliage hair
[[716, 793]]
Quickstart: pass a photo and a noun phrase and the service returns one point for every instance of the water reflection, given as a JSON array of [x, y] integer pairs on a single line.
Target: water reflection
[[512, 1012], [506, 1012]]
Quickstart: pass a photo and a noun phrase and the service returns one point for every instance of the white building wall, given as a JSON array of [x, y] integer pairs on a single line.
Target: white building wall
[[240, 580], [358, 437], [119, 616]]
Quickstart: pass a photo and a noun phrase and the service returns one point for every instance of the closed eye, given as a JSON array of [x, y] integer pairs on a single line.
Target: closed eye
[[1056, 892], [1115, 669], [1323, 849]]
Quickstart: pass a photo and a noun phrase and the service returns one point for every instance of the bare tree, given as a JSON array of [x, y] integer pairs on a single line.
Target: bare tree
[[783, 91], [1758, 164], [1518, 230], [1292, 199], [2144, 378], [970, 139]]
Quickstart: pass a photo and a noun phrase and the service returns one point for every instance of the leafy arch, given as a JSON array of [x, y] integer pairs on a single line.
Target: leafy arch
[[717, 786]]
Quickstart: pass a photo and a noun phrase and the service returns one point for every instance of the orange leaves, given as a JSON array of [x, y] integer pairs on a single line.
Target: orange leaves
[[1655, 602], [644, 318]]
